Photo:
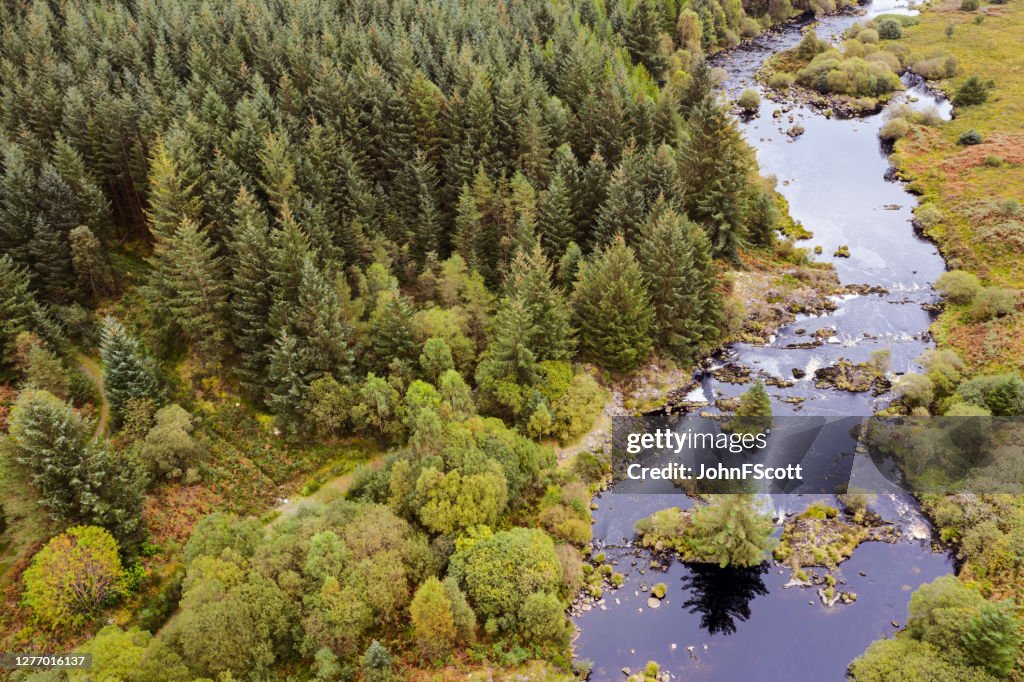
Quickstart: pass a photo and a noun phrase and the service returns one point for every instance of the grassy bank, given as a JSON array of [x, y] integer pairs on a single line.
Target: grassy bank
[[971, 194]]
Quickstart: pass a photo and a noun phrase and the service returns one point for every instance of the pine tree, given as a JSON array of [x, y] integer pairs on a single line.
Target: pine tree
[[50, 246], [125, 371], [642, 34], [92, 271], [613, 309], [323, 336], [468, 229], [555, 220], [172, 197], [754, 414], [679, 281], [534, 146], [569, 265], [425, 218], [549, 332], [625, 208], [18, 210], [508, 355], [713, 168], [250, 292], [391, 331], [731, 531], [288, 380], [991, 638], [91, 204], [197, 287], [18, 308]]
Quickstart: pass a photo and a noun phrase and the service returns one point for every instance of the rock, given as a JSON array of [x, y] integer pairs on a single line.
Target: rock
[[672, 646], [653, 602], [627, 671], [894, 623], [842, 252], [799, 373]]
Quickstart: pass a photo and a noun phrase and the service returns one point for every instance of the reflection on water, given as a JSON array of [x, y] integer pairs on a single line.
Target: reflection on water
[[722, 595]]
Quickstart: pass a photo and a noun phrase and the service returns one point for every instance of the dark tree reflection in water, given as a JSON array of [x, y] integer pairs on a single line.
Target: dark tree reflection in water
[[722, 595]]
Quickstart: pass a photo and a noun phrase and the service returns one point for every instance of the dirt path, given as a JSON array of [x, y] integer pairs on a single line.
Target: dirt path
[[91, 369], [331, 490]]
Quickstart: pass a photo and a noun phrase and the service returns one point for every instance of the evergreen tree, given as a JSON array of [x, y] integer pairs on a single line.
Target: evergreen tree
[[18, 211], [642, 34], [549, 331], [18, 309], [92, 271], [555, 220], [172, 197], [77, 480], [288, 380], [714, 168], [613, 309], [675, 259], [391, 331], [508, 354], [197, 287], [569, 265], [754, 414], [125, 371], [991, 639], [250, 292], [731, 531], [323, 336], [50, 246]]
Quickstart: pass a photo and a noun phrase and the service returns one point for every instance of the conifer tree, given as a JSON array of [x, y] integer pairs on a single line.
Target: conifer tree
[[730, 531], [569, 265], [679, 280], [18, 210], [250, 292], [432, 620], [50, 246], [18, 308], [288, 380], [534, 146], [613, 309], [754, 414], [172, 197], [625, 207], [549, 332], [508, 355], [555, 220], [323, 336], [713, 168], [125, 371], [391, 331], [196, 287], [92, 271]]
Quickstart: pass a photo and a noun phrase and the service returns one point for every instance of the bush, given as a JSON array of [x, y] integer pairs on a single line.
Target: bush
[[957, 286], [993, 302], [869, 36], [969, 5], [915, 390], [749, 102], [1001, 394], [73, 577], [927, 216], [890, 29], [169, 450], [894, 130], [781, 80], [971, 93]]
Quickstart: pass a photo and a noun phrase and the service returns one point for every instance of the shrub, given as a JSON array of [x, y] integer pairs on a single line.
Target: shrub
[[749, 102], [915, 390], [993, 302], [890, 29], [970, 138], [781, 80], [927, 216], [869, 36], [957, 286], [169, 449], [894, 130], [972, 92], [1001, 394], [73, 577], [969, 5]]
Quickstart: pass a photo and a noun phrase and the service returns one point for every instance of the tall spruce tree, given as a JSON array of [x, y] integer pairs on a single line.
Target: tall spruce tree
[[126, 374], [613, 309], [251, 288], [391, 332], [92, 271], [556, 223], [714, 168], [508, 355], [18, 308], [549, 331], [675, 259], [323, 336]]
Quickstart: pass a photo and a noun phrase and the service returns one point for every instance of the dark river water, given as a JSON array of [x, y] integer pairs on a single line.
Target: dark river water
[[726, 625]]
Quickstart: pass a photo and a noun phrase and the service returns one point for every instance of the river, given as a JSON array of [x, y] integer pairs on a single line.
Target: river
[[726, 625]]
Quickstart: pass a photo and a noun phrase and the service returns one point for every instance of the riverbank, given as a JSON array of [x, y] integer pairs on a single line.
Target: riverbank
[[971, 195]]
